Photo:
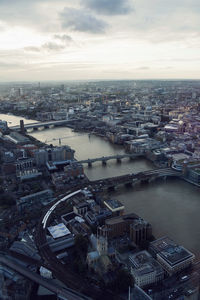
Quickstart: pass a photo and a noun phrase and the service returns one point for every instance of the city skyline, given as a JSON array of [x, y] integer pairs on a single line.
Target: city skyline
[[92, 39]]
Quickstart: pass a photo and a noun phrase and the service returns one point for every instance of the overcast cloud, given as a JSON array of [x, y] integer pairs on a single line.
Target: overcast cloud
[[81, 20], [111, 7], [99, 39]]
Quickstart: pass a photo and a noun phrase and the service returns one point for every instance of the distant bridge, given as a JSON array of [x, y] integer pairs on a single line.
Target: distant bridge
[[37, 125], [146, 176], [104, 159]]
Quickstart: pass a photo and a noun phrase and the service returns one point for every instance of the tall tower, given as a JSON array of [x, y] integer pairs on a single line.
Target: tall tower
[[102, 241]]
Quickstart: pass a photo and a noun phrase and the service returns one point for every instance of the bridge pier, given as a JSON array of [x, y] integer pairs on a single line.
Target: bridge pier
[[35, 128], [131, 158], [89, 164], [111, 188], [119, 160], [143, 181], [104, 162], [128, 184], [152, 179]]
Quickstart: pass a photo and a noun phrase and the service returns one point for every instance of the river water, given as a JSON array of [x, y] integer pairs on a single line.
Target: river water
[[171, 206]]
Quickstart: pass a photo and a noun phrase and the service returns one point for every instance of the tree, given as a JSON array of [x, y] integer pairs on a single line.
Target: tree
[[79, 266], [123, 280], [6, 199], [81, 245]]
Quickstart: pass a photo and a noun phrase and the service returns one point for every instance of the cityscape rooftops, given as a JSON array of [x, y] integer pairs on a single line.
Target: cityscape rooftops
[[25, 249]]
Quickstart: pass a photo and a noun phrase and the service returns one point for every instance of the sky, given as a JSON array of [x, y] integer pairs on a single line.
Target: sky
[[99, 39]]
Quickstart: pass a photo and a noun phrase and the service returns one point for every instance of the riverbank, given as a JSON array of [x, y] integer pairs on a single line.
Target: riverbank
[[172, 206]]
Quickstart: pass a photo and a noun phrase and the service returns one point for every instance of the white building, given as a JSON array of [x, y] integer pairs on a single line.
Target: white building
[[145, 269]]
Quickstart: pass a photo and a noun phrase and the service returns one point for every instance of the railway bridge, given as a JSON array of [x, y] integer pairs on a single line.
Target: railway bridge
[[128, 179], [48, 124]]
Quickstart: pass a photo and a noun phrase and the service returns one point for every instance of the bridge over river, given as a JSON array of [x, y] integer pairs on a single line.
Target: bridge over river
[[104, 159], [146, 176], [37, 125]]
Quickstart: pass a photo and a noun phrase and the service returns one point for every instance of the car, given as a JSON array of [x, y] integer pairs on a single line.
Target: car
[[184, 278], [150, 291]]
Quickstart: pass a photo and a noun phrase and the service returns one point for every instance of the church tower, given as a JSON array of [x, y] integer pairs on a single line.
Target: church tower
[[102, 241]]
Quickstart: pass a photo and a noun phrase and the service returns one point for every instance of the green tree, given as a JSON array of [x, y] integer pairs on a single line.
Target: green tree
[[123, 280], [6, 199], [81, 245], [79, 266]]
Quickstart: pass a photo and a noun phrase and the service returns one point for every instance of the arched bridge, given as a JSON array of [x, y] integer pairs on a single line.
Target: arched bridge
[[104, 159]]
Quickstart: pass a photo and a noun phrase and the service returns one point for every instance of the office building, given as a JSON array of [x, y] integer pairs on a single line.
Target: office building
[[172, 257], [140, 231], [145, 269]]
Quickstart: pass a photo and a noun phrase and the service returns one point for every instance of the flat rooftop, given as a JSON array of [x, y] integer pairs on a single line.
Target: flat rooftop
[[114, 205], [59, 230], [143, 263], [175, 254]]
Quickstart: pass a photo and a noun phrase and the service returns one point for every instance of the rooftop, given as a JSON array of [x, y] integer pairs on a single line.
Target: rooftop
[[114, 205], [175, 254], [143, 263], [70, 216], [58, 230]]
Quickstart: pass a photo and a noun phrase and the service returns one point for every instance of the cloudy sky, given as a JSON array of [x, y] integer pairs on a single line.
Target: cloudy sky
[[99, 39]]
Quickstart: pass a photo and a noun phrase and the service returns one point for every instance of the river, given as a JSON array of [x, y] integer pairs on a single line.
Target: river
[[171, 206]]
